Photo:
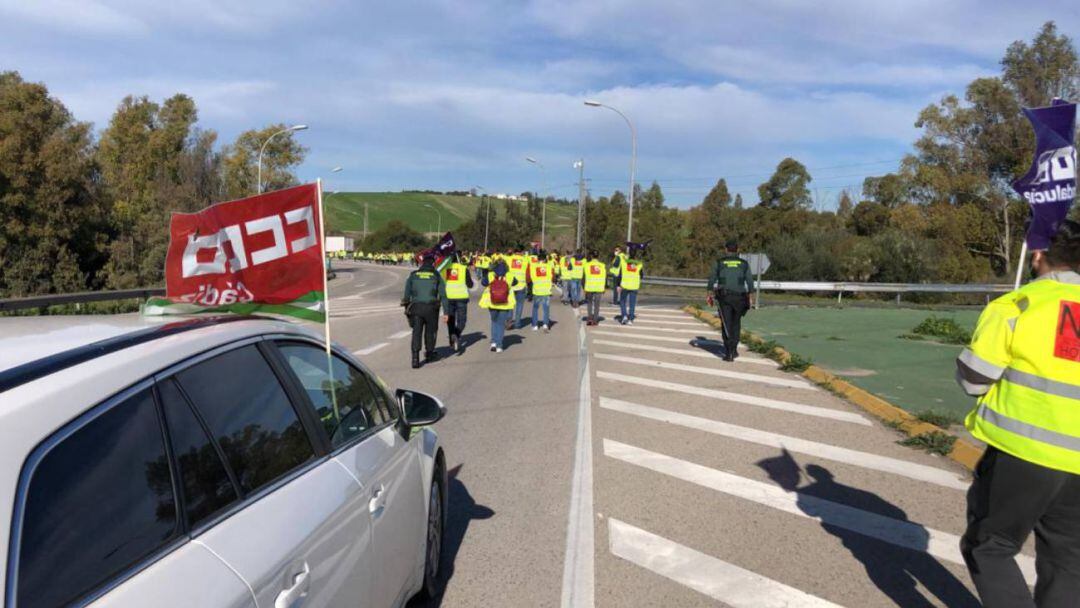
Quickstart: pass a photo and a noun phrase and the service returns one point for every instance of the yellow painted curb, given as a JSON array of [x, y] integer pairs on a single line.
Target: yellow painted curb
[[963, 452]]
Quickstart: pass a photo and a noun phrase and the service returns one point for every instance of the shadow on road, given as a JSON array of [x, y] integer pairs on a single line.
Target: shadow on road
[[712, 347], [896, 571], [469, 339], [461, 510]]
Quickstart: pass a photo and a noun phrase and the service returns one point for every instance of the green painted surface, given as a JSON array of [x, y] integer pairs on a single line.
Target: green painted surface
[[345, 211], [861, 346]]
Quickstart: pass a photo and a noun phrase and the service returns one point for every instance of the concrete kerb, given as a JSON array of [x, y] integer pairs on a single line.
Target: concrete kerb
[[963, 451]]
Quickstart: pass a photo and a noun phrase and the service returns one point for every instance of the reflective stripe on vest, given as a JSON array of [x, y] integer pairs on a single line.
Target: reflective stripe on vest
[[540, 275], [1033, 410], [630, 274], [595, 277], [456, 289]]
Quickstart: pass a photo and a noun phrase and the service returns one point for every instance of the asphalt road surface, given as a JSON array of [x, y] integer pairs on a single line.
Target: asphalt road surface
[[630, 466]]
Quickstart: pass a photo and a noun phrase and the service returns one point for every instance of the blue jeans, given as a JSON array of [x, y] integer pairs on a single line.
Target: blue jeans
[[545, 302], [519, 306], [575, 291], [629, 297], [498, 325]]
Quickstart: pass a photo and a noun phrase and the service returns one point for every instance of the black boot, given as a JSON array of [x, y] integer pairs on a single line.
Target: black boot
[[415, 359]]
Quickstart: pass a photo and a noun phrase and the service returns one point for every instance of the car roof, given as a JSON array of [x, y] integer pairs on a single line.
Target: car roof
[[31, 338]]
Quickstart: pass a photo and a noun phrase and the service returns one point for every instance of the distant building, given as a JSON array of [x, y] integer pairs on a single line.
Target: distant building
[[339, 243]]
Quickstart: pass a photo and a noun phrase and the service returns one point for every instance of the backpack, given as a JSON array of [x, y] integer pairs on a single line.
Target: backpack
[[499, 291]]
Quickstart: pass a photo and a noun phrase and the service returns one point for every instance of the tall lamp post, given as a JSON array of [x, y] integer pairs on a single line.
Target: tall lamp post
[[543, 199], [263, 149], [487, 217], [633, 160], [438, 214]]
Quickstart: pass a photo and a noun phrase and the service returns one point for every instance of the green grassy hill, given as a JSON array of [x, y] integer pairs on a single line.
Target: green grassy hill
[[345, 212]]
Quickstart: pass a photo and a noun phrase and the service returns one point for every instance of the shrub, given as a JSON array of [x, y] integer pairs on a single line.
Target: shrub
[[934, 442], [943, 328]]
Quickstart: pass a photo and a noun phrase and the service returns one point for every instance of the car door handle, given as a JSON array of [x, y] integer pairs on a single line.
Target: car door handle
[[301, 584], [378, 500]]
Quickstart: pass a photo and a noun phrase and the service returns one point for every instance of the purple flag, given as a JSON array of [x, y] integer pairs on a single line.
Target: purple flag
[[1049, 186]]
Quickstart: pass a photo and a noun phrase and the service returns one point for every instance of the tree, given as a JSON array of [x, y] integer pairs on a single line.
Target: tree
[[718, 198], [890, 190], [1043, 70], [738, 201], [395, 236], [786, 189], [279, 157], [869, 218], [844, 207], [52, 228]]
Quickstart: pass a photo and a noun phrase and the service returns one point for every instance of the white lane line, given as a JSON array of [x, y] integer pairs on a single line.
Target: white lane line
[[901, 533], [685, 341], [895, 466], [358, 314], [638, 321], [708, 371], [401, 334], [720, 580], [578, 583], [370, 349], [651, 313], [689, 352], [786, 406], [705, 329]]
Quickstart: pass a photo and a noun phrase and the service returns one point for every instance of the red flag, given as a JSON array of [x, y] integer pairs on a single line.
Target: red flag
[[258, 254]]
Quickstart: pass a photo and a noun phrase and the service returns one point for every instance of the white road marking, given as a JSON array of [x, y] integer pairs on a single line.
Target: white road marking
[[578, 584], [787, 406], [901, 533], [401, 334], [688, 352], [370, 349], [654, 321], [708, 371], [720, 580], [651, 313], [685, 341], [856, 458], [705, 329]]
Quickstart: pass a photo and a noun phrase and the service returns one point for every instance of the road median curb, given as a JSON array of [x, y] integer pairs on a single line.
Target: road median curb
[[963, 452]]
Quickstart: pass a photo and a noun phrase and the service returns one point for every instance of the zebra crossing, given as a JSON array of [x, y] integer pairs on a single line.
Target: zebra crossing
[[737, 484]]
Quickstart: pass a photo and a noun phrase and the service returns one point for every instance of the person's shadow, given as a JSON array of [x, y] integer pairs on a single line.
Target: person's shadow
[[461, 510], [895, 570], [713, 347]]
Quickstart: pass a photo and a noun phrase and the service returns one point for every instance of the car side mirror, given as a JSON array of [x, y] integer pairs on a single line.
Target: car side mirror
[[420, 409]]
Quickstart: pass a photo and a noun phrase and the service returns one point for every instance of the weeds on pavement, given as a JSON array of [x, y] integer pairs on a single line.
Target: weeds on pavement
[[934, 442]]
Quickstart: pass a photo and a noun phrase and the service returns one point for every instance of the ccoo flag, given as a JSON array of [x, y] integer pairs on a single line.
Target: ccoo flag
[[258, 254], [442, 251], [1049, 186]]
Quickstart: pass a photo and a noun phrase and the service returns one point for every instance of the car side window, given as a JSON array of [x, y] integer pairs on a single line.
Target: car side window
[[249, 414], [204, 480], [98, 502], [357, 406]]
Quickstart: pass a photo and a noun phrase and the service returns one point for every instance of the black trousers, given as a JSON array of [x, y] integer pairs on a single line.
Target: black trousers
[[425, 325], [1009, 499], [732, 309], [458, 311]]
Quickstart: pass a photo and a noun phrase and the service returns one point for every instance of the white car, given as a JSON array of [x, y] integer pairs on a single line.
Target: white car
[[207, 462]]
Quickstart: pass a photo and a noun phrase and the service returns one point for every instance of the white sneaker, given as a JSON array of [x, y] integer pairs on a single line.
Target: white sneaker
[[547, 328], [630, 322], [493, 347], [498, 350], [535, 327]]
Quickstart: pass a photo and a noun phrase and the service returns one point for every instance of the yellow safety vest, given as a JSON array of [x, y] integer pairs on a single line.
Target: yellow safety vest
[[541, 275], [595, 276], [1029, 340], [565, 269], [578, 269], [483, 262], [456, 289], [485, 298], [517, 265], [630, 274]]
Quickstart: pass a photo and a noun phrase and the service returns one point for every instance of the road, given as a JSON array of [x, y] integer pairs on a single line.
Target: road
[[630, 466]]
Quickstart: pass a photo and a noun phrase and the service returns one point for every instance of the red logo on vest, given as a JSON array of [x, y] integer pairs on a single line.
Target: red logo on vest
[[631, 267], [452, 275], [1067, 344], [541, 271], [516, 264], [594, 270]]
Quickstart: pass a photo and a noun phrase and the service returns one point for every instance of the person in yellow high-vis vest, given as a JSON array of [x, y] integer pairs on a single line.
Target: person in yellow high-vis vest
[[577, 274], [1023, 364], [541, 280], [631, 271], [456, 285], [518, 269], [565, 270], [616, 263], [500, 281], [482, 262], [595, 283]]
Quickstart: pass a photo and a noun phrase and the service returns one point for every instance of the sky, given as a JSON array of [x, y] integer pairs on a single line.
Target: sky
[[452, 94]]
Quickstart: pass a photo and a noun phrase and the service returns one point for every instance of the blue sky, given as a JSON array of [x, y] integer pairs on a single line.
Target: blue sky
[[447, 94]]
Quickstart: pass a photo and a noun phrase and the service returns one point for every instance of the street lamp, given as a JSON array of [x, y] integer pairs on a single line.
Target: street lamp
[[633, 159], [263, 149], [487, 217], [543, 199], [439, 215]]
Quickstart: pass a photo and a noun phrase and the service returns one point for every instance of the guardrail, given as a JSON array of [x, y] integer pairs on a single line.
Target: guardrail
[[847, 286], [82, 297]]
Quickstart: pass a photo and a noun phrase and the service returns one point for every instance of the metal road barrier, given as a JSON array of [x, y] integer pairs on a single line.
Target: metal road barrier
[[850, 287], [82, 297]]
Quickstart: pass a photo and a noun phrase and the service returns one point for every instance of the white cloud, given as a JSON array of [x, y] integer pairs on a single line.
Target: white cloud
[[91, 16]]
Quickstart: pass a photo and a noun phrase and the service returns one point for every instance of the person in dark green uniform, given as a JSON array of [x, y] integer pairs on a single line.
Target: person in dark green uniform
[[731, 288], [423, 292]]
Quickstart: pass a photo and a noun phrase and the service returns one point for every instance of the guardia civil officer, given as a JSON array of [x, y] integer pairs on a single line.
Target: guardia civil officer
[[423, 290], [731, 288], [456, 285], [1024, 366]]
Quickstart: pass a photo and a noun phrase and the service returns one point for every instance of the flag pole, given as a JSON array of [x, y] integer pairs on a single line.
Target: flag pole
[[1020, 264], [326, 302]]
